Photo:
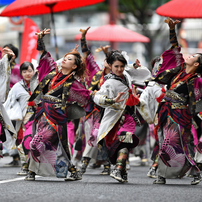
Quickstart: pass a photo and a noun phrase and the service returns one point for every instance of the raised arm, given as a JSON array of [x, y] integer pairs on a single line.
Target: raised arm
[[84, 47], [10, 53], [103, 48], [173, 37], [40, 43], [46, 63]]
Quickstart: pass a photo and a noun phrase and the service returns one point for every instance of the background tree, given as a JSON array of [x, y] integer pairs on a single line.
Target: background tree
[[142, 11]]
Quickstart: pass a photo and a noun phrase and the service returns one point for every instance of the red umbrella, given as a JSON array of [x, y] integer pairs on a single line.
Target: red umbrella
[[38, 7], [181, 9], [114, 33]]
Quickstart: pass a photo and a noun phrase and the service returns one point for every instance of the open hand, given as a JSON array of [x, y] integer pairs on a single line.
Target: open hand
[[104, 49], [42, 33], [118, 97], [137, 64], [76, 48], [171, 23], [84, 31], [8, 51]]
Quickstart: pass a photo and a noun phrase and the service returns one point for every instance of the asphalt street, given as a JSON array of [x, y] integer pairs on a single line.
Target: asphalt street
[[95, 188]]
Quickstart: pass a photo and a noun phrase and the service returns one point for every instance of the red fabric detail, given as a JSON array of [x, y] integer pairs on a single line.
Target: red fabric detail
[[31, 103], [20, 136], [112, 135], [156, 132], [55, 83], [158, 99], [132, 100]]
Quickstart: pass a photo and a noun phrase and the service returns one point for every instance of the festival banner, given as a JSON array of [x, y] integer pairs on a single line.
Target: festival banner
[[29, 41]]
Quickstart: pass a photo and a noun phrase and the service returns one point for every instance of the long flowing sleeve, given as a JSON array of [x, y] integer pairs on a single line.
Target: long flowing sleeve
[[173, 39], [109, 91], [91, 65], [138, 75], [148, 103], [5, 72], [171, 58], [46, 65], [17, 94], [78, 93], [92, 68]]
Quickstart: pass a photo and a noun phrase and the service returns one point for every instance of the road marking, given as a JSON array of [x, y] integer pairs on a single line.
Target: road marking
[[15, 179]]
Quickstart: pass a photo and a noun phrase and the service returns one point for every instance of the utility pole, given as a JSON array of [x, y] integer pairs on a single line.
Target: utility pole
[[113, 11]]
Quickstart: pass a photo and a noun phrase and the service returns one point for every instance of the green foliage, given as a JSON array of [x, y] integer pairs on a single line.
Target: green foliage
[[140, 9]]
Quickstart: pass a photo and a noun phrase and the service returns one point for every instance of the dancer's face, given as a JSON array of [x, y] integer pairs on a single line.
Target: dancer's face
[[117, 68], [192, 63], [27, 74], [68, 63]]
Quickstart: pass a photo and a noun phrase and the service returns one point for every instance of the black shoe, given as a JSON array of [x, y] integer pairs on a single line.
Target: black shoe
[[84, 165], [116, 174], [152, 173], [199, 165], [106, 171], [14, 163], [75, 175], [23, 172], [30, 176], [196, 180], [124, 175], [160, 180], [94, 166], [83, 168]]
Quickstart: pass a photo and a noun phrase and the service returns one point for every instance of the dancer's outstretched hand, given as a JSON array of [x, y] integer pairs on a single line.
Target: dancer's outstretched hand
[[171, 23], [118, 97], [104, 49], [9, 52], [76, 48], [137, 64], [84, 32], [42, 33]]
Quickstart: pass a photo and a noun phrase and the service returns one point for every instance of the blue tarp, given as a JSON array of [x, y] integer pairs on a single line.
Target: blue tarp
[[5, 2]]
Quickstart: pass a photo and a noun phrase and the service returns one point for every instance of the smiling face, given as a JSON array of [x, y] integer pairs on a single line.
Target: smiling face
[[68, 64], [27, 74], [117, 68]]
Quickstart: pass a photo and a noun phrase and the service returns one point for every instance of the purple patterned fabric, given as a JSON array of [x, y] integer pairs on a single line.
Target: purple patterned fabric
[[56, 116], [46, 64], [27, 137], [71, 135], [94, 125], [174, 150], [15, 75], [171, 58], [44, 143], [78, 93], [176, 136], [112, 142], [92, 68], [128, 125], [0, 128], [198, 88]]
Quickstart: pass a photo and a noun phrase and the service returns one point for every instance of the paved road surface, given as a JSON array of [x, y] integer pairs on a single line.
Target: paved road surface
[[95, 188]]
